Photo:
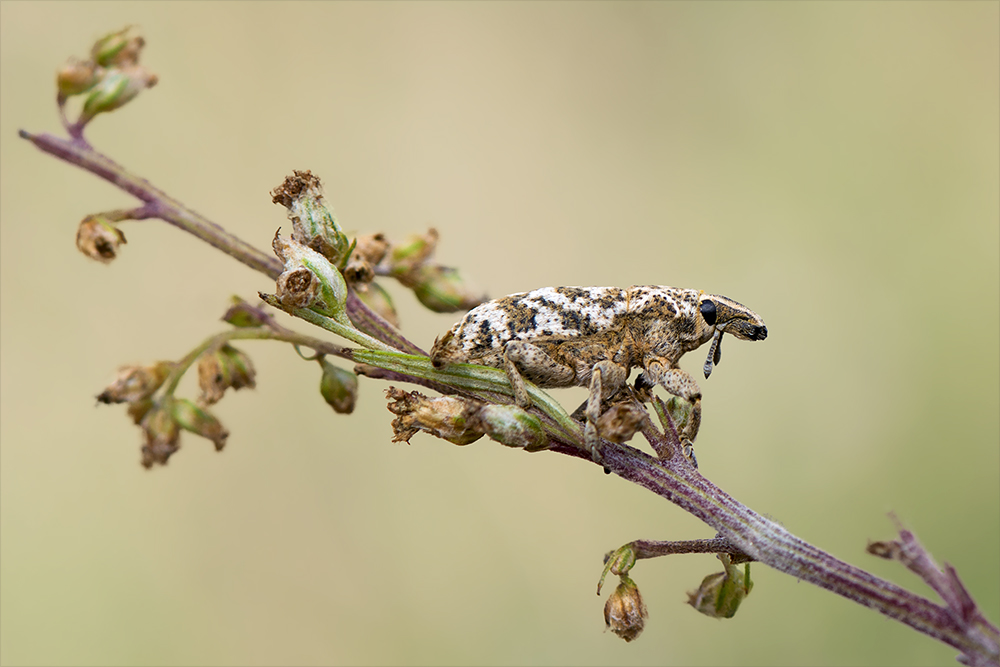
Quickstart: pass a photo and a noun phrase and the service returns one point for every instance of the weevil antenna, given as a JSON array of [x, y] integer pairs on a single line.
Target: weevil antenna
[[714, 352]]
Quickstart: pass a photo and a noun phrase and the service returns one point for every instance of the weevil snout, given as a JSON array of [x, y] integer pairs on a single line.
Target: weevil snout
[[728, 316]]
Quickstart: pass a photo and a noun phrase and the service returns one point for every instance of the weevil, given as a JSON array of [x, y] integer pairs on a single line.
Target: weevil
[[593, 336]]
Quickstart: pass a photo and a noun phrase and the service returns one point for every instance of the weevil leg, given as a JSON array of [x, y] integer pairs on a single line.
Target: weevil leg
[[545, 371], [606, 379], [679, 383]]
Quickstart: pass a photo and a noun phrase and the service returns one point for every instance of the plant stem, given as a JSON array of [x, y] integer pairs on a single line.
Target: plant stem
[[770, 543], [158, 203]]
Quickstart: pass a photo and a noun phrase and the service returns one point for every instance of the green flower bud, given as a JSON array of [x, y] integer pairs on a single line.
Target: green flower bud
[[313, 225], [136, 383], [98, 239], [441, 289], [195, 419], [76, 77], [512, 426], [417, 250], [375, 297], [115, 90], [620, 562], [222, 369], [244, 316], [338, 387], [447, 417], [117, 48], [720, 594], [309, 280], [625, 612], [162, 436]]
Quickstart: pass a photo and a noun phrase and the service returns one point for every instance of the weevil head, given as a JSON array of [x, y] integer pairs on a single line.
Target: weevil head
[[731, 317], [728, 316]]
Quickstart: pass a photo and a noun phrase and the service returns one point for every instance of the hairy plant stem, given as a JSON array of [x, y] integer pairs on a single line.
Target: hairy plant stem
[[670, 476]]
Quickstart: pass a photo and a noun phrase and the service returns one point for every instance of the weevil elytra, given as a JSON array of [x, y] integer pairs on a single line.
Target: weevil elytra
[[593, 337]]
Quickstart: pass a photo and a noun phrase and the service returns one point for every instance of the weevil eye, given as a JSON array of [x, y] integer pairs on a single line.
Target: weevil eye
[[708, 311]]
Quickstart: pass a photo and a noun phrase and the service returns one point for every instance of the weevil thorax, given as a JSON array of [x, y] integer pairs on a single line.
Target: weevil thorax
[[667, 321]]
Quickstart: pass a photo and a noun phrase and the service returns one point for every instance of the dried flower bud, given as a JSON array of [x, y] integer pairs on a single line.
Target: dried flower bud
[[720, 594], [512, 426], [136, 383], [625, 613], [313, 225], [137, 410], [441, 289], [222, 369], [417, 250], [446, 417], [620, 422], [324, 290], [115, 90], [358, 272], [371, 248], [76, 77], [375, 297], [889, 550], [98, 239], [192, 418], [162, 436], [338, 387], [244, 316], [298, 288]]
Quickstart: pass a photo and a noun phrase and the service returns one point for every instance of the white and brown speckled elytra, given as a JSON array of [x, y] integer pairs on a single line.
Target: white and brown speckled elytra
[[593, 337]]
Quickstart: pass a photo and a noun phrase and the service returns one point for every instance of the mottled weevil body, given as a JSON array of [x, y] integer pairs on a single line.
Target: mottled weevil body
[[593, 337]]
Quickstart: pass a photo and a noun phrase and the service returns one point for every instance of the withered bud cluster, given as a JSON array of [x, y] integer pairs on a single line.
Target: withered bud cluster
[[462, 421], [357, 263], [163, 418], [110, 78], [439, 288]]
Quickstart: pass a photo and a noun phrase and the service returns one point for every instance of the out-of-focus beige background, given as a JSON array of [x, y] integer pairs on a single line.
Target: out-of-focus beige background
[[833, 166]]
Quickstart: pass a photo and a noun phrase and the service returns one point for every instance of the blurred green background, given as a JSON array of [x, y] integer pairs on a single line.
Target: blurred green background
[[833, 166]]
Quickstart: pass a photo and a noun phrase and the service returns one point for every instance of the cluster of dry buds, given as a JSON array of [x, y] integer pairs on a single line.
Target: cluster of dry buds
[[326, 278]]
